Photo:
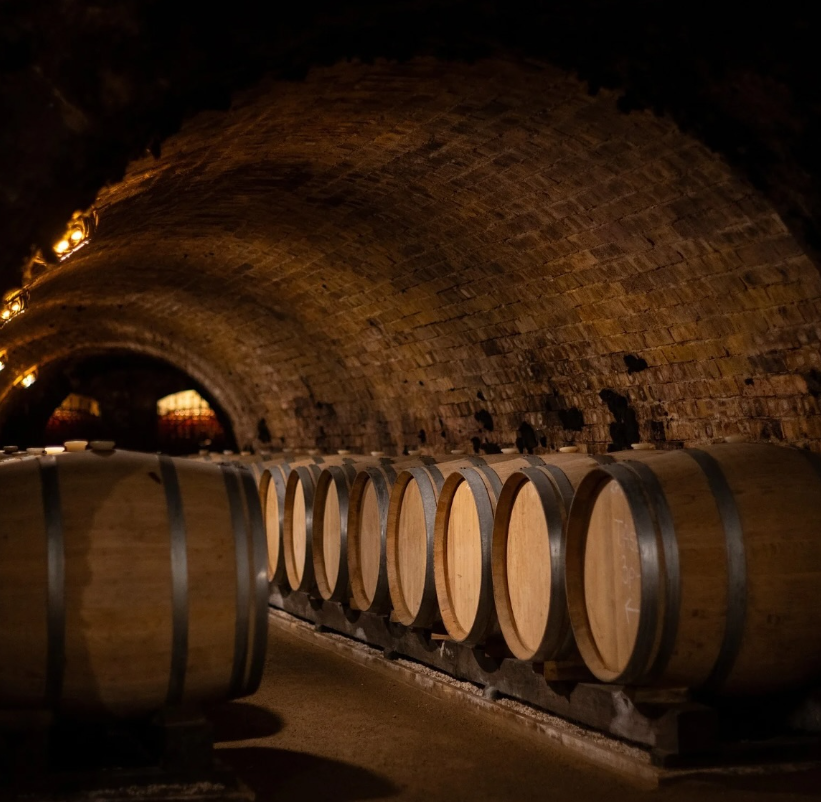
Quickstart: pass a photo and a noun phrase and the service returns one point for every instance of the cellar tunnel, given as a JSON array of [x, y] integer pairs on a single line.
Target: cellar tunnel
[[389, 255], [421, 228], [113, 395]]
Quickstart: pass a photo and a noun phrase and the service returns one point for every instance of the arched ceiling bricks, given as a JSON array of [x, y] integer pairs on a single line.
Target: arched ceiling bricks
[[477, 251]]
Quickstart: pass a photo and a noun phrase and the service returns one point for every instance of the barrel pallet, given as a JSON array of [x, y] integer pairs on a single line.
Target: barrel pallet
[[675, 728]]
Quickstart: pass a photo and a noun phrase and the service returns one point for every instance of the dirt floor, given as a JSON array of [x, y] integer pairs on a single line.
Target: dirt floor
[[324, 727]]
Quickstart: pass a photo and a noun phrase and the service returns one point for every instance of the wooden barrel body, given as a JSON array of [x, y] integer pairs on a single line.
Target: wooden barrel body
[[129, 582], [528, 555], [409, 537], [298, 514], [699, 568], [367, 531], [463, 535]]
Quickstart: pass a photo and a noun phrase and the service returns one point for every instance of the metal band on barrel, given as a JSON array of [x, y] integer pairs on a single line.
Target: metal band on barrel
[[56, 601], [429, 492], [492, 477], [672, 569], [382, 479], [435, 477], [279, 489], [629, 482], [558, 622], [602, 459], [179, 580], [484, 510], [307, 481], [259, 548], [560, 478], [736, 567], [243, 598], [340, 482]]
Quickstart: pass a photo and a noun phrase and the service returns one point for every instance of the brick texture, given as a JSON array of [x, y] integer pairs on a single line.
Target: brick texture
[[466, 254]]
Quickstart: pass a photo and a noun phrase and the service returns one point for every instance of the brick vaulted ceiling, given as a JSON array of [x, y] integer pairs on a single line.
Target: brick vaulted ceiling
[[451, 251]]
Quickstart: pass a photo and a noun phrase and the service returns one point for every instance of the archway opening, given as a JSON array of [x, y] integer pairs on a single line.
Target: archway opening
[[116, 396]]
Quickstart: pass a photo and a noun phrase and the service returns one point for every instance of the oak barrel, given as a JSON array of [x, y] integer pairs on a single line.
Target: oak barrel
[[298, 519], [367, 530], [699, 568], [528, 555], [409, 538], [129, 582], [463, 534]]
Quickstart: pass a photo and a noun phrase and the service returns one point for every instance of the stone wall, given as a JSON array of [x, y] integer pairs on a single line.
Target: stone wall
[[459, 254]]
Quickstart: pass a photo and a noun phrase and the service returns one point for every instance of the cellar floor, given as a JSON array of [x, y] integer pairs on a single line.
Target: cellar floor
[[323, 727]]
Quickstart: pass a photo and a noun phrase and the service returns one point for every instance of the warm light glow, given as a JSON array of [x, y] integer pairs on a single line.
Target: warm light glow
[[14, 303], [188, 401], [15, 307], [29, 379], [5, 314], [76, 235], [62, 246]]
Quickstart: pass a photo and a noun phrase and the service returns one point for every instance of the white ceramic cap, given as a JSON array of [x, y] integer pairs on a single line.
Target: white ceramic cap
[[642, 446], [34, 451], [377, 453], [510, 450], [10, 449], [415, 452], [54, 449], [76, 445], [343, 452], [568, 449]]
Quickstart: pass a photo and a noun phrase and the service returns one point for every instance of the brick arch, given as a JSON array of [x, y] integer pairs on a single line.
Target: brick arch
[[477, 251], [53, 349]]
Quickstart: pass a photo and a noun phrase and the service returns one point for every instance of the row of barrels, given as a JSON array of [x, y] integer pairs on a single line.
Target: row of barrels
[[696, 567]]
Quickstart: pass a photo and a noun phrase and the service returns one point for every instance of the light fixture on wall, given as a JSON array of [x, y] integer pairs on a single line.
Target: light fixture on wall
[[26, 379], [3, 360], [78, 232], [15, 302]]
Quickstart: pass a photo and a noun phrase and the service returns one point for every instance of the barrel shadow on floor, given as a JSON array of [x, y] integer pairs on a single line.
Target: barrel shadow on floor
[[242, 721], [277, 774]]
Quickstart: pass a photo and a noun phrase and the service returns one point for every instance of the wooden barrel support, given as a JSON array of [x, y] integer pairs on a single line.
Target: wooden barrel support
[[150, 573]]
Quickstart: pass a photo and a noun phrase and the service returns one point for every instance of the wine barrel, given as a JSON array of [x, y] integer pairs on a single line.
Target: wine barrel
[[298, 519], [129, 582], [409, 538], [699, 568], [367, 531], [528, 555], [463, 533]]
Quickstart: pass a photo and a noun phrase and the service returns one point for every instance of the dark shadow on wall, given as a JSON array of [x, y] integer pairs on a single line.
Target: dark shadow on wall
[[279, 774]]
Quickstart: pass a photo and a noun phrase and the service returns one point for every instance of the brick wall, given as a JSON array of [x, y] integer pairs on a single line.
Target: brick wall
[[463, 253]]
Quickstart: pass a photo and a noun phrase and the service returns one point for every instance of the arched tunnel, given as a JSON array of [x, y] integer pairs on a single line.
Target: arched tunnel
[[436, 225]]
